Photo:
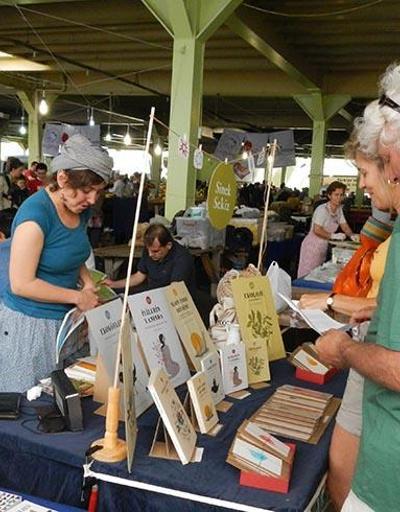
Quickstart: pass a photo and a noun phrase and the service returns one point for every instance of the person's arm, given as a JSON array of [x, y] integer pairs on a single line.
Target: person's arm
[[321, 232], [135, 280], [346, 229], [373, 361], [26, 248], [341, 303]]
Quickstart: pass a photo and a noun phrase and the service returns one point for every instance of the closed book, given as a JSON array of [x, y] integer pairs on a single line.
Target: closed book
[[202, 401]]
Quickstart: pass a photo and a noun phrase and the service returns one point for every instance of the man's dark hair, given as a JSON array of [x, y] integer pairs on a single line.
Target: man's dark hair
[[157, 232], [41, 166], [6, 218]]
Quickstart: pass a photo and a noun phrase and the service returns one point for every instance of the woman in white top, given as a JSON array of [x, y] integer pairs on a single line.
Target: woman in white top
[[325, 222]]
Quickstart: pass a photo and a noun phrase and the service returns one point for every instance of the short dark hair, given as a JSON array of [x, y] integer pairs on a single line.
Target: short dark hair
[[12, 163], [157, 232], [6, 218], [334, 186], [41, 166]]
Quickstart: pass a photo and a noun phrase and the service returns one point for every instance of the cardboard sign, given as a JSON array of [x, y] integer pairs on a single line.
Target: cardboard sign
[[255, 309], [221, 198]]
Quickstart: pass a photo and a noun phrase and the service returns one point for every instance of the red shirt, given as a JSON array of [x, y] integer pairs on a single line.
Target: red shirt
[[33, 183]]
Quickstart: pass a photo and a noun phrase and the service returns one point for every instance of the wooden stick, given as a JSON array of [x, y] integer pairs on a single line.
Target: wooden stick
[[132, 251], [269, 168]]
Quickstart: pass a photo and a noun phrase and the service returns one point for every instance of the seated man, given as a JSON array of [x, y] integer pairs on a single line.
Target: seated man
[[163, 261]]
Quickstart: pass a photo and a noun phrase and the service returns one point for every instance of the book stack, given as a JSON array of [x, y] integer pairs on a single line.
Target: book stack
[[83, 375], [264, 461], [297, 413]]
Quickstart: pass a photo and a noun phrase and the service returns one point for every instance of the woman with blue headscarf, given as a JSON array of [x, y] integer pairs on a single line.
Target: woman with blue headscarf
[[48, 275]]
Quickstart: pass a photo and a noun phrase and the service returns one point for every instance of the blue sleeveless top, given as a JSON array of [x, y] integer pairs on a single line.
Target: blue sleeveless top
[[64, 251]]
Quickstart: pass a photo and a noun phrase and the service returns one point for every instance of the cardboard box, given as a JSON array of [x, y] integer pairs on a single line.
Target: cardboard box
[[268, 483], [199, 232], [315, 378]]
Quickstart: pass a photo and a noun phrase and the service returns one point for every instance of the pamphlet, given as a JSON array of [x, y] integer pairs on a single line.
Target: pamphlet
[[104, 292], [173, 415], [188, 322], [202, 401], [257, 317], [210, 365], [234, 367], [316, 318]]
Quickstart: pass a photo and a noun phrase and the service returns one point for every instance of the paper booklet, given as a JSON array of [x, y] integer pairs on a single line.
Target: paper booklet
[[254, 449], [202, 402], [258, 320], [210, 365], [157, 334], [104, 325], [173, 415], [104, 292], [188, 322], [234, 367], [316, 318], [71, 335], [306, 358]]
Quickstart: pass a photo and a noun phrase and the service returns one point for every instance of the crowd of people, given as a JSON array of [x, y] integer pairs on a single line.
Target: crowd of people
[[17, 183]]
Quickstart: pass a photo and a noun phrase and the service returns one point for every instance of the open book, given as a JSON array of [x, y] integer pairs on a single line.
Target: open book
[[104, 292], [70, 336], [315, 318]]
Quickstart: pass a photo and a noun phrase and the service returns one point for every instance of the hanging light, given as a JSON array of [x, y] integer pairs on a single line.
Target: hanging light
[[22, 129], [157, 149], [127, 138], [245, 155], [43, 106], [91, 118]]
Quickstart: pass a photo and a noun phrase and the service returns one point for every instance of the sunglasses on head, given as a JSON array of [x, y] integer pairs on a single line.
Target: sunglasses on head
[[385, 101]]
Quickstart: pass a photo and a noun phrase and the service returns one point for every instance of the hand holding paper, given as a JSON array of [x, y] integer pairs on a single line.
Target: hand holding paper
[[331, 348]]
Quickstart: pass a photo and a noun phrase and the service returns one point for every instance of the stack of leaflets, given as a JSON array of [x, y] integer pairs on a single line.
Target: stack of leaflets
[[254, 449], [306, 358], [297, 413]]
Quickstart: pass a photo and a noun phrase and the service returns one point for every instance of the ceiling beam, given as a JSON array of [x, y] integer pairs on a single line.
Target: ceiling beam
[[262, 36]]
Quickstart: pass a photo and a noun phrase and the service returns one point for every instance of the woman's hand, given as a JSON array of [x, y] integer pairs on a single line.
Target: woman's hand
[[362, 315], [87, 299], [313, 301]]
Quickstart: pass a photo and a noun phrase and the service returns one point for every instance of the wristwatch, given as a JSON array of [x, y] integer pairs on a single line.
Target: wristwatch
[[329, 301]]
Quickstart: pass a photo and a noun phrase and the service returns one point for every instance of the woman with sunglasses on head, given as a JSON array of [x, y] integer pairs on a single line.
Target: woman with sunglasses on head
[[48, 275], [375, 485]]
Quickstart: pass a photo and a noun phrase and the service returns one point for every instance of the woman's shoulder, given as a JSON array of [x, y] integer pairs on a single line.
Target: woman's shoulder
[[36, 208]]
